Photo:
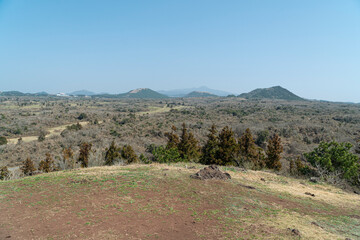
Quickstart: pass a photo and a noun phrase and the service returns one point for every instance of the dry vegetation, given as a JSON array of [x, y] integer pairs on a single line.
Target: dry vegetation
[[301, 125]]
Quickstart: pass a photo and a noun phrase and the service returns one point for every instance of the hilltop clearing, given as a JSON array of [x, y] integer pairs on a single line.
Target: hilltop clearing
[[163, 202]]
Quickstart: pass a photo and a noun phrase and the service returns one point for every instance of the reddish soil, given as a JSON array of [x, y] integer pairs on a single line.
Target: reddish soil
[[142, 207], [102, 214]]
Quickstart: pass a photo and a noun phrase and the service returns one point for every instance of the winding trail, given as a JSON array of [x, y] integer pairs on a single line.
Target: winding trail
[[54, 131]]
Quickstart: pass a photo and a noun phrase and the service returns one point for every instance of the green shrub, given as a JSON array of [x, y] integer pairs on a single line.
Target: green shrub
[[42, 136], [166, 155], [333, 156], [3, 141], [74, 127], [82, 116]]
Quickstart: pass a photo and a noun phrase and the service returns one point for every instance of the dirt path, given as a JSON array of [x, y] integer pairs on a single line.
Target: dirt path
[[54, 131]]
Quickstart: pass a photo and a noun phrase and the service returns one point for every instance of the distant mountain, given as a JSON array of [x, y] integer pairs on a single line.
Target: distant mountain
[[41, 94], [82, 93], [142, 93], [276, 92], [12, 94], [196, 94], [20, 94], [183, 92]]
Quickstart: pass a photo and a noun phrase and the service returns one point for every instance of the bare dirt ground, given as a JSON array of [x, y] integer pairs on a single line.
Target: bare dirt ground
[[163, 202]]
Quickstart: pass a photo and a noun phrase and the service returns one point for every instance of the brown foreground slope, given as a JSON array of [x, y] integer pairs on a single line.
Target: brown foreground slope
[[163, 202]]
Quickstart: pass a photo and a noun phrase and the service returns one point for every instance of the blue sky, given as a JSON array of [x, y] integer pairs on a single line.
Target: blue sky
[[311, 47]]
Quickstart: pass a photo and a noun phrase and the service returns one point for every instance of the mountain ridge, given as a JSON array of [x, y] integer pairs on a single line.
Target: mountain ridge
[[276, 92]]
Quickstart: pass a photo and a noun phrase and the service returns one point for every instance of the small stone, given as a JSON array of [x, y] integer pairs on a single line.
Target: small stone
[[310, 194], [295, 232], [314, 180]]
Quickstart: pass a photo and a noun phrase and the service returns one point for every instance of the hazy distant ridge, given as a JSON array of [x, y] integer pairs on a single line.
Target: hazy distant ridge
[[185, 91], [143, 93], [195, 94]]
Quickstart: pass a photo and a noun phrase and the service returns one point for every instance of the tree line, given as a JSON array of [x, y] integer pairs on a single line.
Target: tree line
[[329, 161]]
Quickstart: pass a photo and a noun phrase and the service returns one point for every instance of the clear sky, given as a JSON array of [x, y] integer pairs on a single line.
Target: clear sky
[[311, 47]]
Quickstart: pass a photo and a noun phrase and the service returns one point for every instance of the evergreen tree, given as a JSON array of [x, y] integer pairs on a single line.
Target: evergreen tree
[[292, 169], [227, 147], [112, 153], [47, 165], [188, 145], [210, 149], [273, 152], [68, 157], [28, 167], [247, 148], [173, 138], [129, 154], [84, 154]]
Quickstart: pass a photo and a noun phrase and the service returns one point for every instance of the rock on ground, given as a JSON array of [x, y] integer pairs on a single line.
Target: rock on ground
[[211, 172]]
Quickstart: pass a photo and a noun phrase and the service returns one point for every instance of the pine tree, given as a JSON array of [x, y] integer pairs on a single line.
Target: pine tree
[[273, 152], [292, 168], [247, 148], [84, 154], [28, 167], [68, 158], [227, 147], [47, 165], [112, 153], [129, 154], [173, 138], [188, 145], [299, 164], [210, 149]]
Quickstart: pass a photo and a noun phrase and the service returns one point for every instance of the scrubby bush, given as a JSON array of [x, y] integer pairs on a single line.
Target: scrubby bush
[[74, 127], [129, 155], [82, 116], [42, 136], [4, 173], [262, 137], [112, 154], [144, 159]]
